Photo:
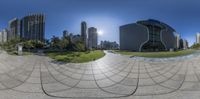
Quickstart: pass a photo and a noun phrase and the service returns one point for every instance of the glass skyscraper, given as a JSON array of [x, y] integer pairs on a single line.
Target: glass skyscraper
[[32, 27]]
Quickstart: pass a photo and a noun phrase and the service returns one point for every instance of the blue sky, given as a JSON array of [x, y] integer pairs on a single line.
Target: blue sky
[[106, 15]]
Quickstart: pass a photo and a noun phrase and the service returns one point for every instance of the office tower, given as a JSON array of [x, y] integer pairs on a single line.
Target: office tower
[[84, 33], [185, 44], [33, 27], [14, 28], [92, 38], [181, 45], [177, 36], [198, 38]]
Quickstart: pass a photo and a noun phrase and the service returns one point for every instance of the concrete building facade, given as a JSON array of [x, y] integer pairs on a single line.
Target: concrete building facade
[[92, 38], [147, 35]]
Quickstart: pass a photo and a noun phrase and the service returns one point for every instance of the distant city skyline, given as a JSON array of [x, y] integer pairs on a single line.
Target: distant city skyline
[[106, 15]]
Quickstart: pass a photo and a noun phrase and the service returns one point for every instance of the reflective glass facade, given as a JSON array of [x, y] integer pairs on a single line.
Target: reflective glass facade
[[154, 43]]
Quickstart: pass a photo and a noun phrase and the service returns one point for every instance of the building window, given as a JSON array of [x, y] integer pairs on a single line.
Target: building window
[[154, 43]]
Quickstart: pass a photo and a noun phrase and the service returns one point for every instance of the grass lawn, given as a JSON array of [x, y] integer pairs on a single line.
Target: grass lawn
[[76, 57], [27, 53], [157, 54]]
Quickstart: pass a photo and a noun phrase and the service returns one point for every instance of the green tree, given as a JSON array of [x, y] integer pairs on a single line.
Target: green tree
[[10, 45], [39, 44], [195, 46], [28, 44], [79, 46], [47, 43], [64, 43]]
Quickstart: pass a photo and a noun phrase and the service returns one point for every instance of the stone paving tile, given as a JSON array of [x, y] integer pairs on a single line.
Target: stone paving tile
[[113, 76], [31, 88]]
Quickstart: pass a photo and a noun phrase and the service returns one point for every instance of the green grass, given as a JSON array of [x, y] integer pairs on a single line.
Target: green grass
[[27, 53], [157, 54], [76, 57]]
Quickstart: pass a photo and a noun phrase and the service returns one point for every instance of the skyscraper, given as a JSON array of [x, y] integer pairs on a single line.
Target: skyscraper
[[33, 27], [183, 44], [92, 38], [84, 33], [177, 36], [14, 28], [198, 38]]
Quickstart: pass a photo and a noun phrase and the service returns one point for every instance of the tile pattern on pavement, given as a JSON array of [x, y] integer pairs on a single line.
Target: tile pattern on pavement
[[113, 76]]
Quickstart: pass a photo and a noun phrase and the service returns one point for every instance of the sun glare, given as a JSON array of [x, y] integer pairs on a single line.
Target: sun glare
[[100, 32]]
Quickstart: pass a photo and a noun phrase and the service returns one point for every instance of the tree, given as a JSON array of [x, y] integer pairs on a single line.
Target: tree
[[28, 44], [55, 42], [79, 46], [195, 46], [64, 43], [39, 44], [11, 44], [47, 43]]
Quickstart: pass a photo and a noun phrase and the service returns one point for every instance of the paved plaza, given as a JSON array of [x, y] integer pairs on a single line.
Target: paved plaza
[[113, 76]]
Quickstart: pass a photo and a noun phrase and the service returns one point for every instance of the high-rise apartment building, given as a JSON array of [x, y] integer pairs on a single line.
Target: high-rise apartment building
[[92, 38], [183, 44], [177, 36], [84, 33], [14, 28], [33, 27]]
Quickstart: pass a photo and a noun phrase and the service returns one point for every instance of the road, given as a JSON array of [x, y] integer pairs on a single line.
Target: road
[[113, 76]]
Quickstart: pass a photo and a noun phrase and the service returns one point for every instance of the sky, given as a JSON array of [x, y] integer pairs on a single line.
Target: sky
[[105, 15]]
